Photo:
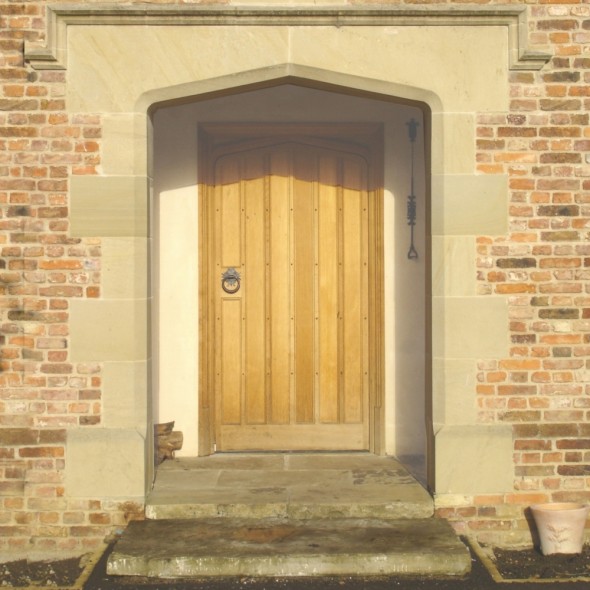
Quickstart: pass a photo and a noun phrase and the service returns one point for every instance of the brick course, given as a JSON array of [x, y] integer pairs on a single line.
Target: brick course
[[541, 266]]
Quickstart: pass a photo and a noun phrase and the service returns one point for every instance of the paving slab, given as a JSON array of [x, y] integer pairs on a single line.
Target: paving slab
[[287, 548], [297, 486]]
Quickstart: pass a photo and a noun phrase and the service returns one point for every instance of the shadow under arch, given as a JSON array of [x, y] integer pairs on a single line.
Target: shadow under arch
[[332, 82]]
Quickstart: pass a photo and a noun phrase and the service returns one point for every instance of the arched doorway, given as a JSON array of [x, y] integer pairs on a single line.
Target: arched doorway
[[400, 411]]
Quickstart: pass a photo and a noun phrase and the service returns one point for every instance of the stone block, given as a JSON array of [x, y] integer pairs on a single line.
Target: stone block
[[108, 330], [124, 145], [109, 206], [470, 327], [474, 459], [104, 463], [469, 205], [407, 56]]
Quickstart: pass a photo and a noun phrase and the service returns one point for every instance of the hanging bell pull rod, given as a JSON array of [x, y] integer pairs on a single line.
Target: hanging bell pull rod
[[411, 207]]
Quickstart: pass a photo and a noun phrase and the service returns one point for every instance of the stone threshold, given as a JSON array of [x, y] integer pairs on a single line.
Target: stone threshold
[[287, 548]]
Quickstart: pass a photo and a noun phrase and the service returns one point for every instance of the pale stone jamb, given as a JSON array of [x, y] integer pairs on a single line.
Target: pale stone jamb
[[124, 147], [453, 384], [457, 147], [124, 384], [124, 267], [453, 266]]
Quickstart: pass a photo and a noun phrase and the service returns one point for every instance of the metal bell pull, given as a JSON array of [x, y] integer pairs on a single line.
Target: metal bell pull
[[411, 207], [230, 281]]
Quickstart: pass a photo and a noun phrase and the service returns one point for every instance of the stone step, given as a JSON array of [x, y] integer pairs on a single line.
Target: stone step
[[386, 510], [287, 486], [285, 548]]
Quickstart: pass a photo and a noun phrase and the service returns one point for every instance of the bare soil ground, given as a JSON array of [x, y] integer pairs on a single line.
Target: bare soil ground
[[532, 564], [529, 565], [23, 573]]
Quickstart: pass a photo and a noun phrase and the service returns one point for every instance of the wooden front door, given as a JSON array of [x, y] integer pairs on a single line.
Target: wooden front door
[[291, 340]]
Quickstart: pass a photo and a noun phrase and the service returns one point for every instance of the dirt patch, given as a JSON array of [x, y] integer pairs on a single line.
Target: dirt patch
[[22, 573], [532, 564], [529, 565]]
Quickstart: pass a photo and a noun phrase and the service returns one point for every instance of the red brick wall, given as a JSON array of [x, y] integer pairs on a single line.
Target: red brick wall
[[42, 393], [542, 266]]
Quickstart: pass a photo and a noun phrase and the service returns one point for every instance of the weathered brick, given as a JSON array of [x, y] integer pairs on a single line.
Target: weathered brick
[[534, 470], [561, 158], [52, 436], [12, 488], [558, 210], [18, 436], [574, 443], [557, 430], [560, 262], [516, 262], [31, 452], [564, 76], [560, 132], [557, 24], [573, 470], [559, 314], [517, 132]]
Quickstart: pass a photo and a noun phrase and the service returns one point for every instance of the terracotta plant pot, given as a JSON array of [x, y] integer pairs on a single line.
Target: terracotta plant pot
[[561, 526]]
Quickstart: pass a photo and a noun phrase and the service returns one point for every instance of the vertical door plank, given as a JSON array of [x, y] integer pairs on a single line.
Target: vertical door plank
[[279, 313], [304, 244], [228, 318], [253, 289], [228, 177], [328, 290], [230, 369], [353, 270]]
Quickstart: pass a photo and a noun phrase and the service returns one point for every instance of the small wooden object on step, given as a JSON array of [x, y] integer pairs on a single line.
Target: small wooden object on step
[[167, 441]]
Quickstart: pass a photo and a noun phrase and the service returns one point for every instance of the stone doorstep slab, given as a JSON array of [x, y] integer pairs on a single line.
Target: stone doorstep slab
[[287, 548], [297, 511]]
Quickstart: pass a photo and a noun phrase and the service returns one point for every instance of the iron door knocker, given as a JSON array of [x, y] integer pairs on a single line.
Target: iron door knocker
[[230, 281]]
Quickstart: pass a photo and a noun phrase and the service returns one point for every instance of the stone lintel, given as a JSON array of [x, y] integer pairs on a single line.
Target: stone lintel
[[54, 54]]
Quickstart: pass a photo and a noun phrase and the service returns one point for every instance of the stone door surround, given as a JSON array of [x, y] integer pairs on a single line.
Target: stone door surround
[[454, 60]]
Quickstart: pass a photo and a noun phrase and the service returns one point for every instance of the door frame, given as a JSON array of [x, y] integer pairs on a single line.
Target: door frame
[[211, 136]]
